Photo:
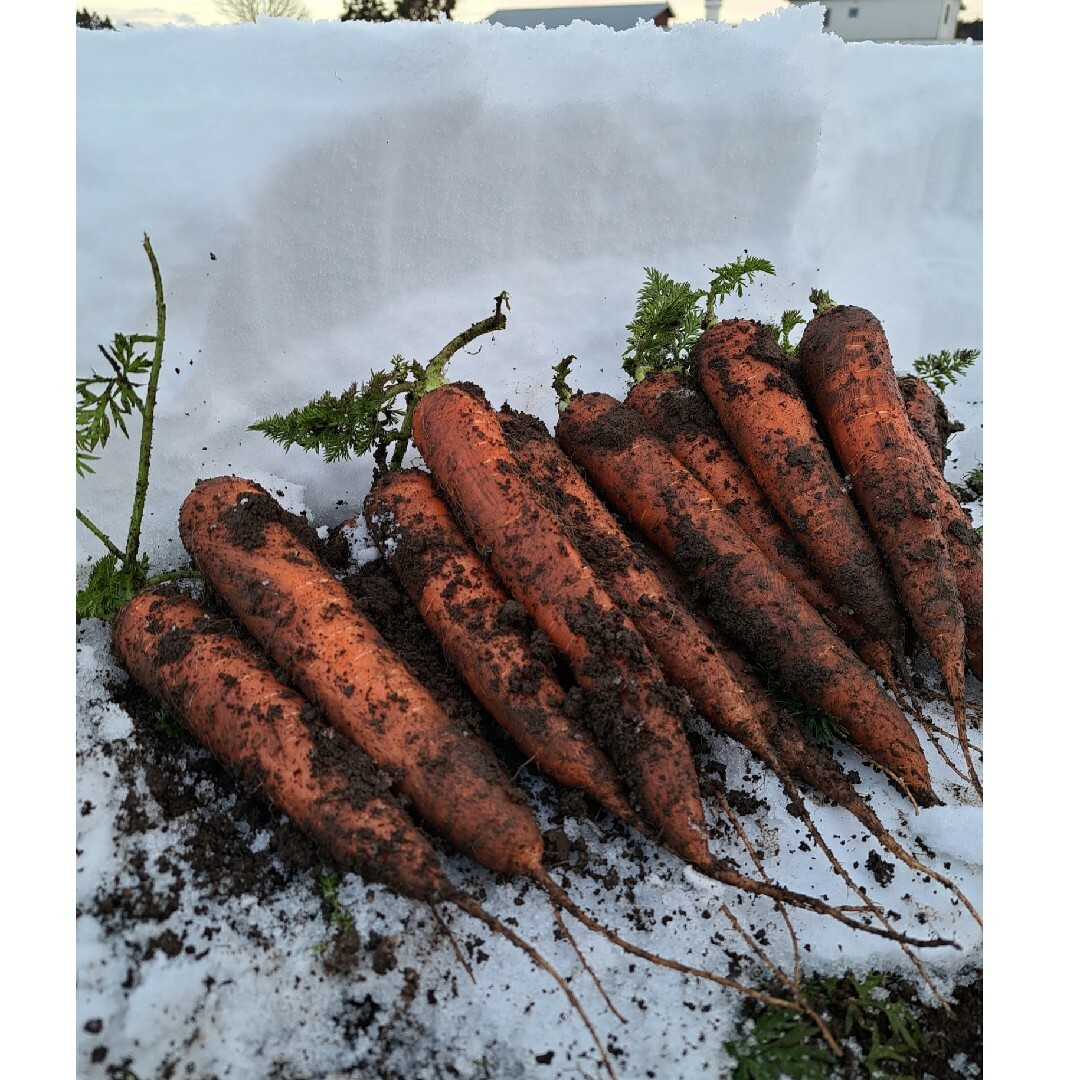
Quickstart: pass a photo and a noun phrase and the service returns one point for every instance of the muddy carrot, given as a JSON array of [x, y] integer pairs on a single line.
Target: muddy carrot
[[682, 417], [485, 635], [846, 367], [746, 377], [930, 421], [266, 733], [752, 602]]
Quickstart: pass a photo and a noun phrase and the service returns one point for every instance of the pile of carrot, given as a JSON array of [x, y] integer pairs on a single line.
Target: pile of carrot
[[596, 589]]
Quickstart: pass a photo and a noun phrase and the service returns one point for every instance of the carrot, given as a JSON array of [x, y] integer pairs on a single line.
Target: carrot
[[482, 632], [846, 366], [930, 421], [637, 716], [682, 417], [231, 701], [723, 688], [745, 375], [965, 552], [460, 438], [260, 561], [749, 598], [928, 417], [233, 704]]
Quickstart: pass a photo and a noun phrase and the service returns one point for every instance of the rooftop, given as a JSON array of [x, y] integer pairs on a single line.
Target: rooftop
[[617, 16]]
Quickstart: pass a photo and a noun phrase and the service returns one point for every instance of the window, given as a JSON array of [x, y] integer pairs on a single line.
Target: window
[[852, 12], [948, 11]]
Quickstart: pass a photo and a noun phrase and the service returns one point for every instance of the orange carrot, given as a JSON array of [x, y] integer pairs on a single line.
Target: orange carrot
[[930, 421], [965, 552], [749, 598], [229, 699], [640, 725], [745, 375], [233, 704], [250, 550], [460, 438], [928, 417], [846, 366], [482, 631], [260, 560], [682, 417]]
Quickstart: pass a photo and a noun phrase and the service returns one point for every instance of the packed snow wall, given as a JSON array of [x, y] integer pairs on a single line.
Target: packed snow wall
[[323, 196]]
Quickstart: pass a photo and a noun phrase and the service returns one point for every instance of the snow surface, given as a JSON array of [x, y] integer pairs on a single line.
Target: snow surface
[[368, 190]]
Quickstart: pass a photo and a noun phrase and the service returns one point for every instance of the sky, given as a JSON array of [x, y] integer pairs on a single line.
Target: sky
[[203, 12]]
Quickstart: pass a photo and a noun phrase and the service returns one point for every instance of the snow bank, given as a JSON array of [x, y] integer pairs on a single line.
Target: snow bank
[[367, 190]]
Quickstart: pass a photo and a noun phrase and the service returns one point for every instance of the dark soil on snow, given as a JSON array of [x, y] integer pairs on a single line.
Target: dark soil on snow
[[219, 855]]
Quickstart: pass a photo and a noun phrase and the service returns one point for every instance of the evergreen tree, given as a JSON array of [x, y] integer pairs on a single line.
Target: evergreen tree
[[91, 20], [412, 10], [366, 11]]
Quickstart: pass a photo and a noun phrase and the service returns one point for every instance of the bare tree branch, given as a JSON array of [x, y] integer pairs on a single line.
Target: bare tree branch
[[250, 10]]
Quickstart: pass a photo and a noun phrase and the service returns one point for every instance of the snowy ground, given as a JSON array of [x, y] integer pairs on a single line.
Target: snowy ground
[[323, 196]]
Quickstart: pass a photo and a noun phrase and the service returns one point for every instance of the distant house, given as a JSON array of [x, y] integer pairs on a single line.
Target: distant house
[[617, 16], [889, 20], [972, 30]]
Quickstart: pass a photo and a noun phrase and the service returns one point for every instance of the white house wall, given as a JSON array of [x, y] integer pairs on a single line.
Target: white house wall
[[892, 20]]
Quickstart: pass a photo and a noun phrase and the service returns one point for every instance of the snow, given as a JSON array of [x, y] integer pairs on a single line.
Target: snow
[[368, 190]]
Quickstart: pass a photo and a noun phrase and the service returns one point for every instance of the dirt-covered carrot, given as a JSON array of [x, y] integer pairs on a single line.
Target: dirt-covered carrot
[[682, 417], [752, 602], [231, 701], [263, 731], [846, 366], [261, 561], [263, 565], [486, 636], [930, 421], [965, 553], [746, 377], [460, 437], [637, 715], [929, 417]]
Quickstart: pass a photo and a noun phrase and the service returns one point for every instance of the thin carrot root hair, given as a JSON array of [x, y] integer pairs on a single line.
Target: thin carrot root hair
[[959, 711], [444, 926], [471, 907], [736, 824], [792, 792], [736, 880], [565, 930], [561, 898], [932, 732], [896, 849]]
